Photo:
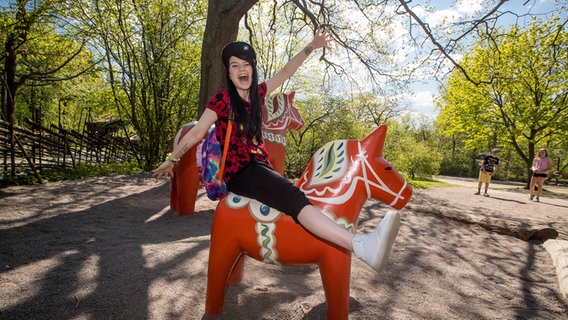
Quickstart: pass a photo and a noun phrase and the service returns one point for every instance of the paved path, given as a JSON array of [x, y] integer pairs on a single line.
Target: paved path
[[496, 184], [509, 202]]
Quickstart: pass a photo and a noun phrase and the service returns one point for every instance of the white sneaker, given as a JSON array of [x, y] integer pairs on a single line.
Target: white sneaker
[[374, 247]]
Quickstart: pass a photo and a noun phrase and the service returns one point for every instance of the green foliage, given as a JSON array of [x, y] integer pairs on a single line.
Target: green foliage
[[150, 81], [152, 64], [409, 147], [457, 159], [423, 183], [326, 118], [48, 54], [517, 99], [71, 103]]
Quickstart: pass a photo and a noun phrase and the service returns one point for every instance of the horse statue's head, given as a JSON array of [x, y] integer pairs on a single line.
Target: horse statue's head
[[343, 174], [278, 115]]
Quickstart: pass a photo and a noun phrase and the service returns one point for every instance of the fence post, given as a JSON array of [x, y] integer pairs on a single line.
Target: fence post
[[32, 166]]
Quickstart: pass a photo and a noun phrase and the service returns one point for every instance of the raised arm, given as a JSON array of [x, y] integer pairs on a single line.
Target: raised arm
[[192, 137], [321, 39]]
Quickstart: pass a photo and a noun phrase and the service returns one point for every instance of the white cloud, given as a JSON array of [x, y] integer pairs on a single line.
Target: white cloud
[[423, 102], [469, 6]]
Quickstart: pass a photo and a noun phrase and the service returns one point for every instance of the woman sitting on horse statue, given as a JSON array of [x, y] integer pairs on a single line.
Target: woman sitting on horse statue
[[247, 170]]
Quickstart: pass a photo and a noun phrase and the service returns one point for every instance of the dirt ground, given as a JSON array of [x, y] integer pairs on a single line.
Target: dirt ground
[[110, 248]]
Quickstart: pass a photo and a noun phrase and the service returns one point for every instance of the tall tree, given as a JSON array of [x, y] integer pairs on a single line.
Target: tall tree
[[34, 32], [521, 99], [223, 18], [150, 48], [361, 30]]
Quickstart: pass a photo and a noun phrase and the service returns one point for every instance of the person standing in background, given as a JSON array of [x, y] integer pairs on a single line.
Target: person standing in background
[[488, 170], [541, 167]]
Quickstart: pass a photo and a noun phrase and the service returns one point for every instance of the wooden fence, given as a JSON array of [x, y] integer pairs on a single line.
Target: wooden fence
[[38, 148]]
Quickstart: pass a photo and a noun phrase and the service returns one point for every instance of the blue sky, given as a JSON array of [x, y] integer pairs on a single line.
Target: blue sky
[[423, 99]]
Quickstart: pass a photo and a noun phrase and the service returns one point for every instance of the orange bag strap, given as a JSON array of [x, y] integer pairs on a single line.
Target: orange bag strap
[[225, 148]]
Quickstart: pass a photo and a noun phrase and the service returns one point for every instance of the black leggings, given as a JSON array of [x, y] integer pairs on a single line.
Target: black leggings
[[260, 182]]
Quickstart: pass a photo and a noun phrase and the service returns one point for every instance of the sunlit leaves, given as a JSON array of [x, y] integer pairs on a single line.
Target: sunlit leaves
[[520, 101]]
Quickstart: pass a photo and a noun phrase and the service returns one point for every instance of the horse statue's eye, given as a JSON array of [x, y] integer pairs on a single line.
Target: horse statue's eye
[[389, 168]]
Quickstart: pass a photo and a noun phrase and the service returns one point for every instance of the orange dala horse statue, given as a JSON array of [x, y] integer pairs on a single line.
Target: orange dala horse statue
[[339, 179], [278, 114]]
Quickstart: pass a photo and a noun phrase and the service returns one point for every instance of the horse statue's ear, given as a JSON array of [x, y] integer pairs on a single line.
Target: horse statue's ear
[[375, 141], [291, 95]]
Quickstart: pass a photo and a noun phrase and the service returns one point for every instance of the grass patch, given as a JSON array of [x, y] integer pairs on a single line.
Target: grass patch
[[427, 183]]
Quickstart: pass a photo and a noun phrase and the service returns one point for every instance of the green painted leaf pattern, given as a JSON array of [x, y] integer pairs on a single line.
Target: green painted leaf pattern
[[329, 162]]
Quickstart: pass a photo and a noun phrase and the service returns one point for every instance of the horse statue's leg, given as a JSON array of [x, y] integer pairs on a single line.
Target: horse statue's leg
[[185, 184], [236, 276], [220, 266], [335, 271], [223, 254], [174, 205]]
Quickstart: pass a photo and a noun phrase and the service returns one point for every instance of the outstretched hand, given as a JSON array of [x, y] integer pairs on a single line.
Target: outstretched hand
[[166, 170], [322, 38]]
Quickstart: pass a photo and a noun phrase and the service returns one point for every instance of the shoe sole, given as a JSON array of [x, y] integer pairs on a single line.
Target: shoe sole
[[392, 224]]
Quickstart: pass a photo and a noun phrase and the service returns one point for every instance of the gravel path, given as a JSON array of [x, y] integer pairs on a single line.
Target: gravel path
[[110, 248]]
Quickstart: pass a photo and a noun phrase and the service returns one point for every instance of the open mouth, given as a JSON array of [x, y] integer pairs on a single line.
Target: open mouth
[[243, 78]]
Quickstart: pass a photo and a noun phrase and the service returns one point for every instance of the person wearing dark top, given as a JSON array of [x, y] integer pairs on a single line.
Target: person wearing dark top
[[488, 169]]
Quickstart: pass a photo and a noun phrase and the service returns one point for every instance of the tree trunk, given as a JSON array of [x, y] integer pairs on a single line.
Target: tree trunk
[[223, 17], [10, 84], [9, 88], [529, 161]]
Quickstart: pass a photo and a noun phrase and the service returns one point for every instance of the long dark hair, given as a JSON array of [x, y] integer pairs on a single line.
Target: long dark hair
[[251, 124]]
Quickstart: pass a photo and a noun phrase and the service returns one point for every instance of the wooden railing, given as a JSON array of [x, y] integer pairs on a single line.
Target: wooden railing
[[37, 148]]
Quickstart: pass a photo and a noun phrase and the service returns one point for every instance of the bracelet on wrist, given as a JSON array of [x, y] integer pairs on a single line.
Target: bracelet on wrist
[[171, 159]]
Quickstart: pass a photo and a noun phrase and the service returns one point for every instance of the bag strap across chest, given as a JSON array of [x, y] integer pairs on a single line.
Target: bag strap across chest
[[226, 146]]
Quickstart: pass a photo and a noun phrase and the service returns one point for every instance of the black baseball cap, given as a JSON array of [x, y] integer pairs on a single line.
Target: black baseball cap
[[241, 50]]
